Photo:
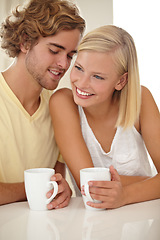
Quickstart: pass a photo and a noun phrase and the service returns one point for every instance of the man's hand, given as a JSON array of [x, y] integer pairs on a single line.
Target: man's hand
[[64, 193]]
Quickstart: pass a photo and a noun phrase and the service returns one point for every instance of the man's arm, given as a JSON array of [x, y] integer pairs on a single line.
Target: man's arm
[[12, 192], [15, 192]]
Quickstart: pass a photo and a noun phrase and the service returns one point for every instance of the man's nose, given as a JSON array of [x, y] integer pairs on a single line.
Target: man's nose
[[64, 62]]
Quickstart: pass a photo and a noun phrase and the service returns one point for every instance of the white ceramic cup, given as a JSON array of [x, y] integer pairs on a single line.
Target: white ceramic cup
[[37, 184], [92, 174]]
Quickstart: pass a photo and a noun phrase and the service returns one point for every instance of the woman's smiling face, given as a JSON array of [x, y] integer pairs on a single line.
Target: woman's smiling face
[[93, 78]]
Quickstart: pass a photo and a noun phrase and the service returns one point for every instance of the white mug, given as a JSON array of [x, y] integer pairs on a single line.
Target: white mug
[[37, 184], [92, 174]]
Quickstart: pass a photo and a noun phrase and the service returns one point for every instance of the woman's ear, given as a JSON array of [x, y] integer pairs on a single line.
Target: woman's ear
[[122, 82]]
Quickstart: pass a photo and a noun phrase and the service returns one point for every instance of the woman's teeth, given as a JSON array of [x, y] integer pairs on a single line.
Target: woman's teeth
[[83, 93]]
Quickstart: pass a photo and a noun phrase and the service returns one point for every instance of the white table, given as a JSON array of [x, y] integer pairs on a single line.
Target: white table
[[133, 222]]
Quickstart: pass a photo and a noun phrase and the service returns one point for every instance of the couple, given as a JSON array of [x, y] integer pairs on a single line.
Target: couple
[[104, 121]]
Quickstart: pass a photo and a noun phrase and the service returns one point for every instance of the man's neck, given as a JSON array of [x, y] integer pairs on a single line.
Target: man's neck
[[24, 88]]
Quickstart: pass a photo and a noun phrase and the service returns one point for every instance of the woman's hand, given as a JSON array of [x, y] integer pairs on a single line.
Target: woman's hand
[[110, 193]]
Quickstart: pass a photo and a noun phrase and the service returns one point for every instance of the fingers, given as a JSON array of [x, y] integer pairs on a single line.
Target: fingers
[[101, 205], [57, 177], [59, 202], [109, 198], [106, 197], [103, 190], [114, 174], [109, 193], [101, 184], [64, 193]]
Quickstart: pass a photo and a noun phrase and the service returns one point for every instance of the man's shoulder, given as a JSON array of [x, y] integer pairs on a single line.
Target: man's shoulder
[[46, 94]]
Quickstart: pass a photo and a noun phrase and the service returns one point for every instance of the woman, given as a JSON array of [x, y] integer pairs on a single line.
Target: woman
[[109, 120]]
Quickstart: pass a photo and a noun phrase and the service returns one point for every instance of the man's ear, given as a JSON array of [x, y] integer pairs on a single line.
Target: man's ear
[[24, 45], [122, 82]]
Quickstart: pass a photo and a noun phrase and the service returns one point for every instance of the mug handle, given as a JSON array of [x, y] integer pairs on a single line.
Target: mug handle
[[55, 186], [87, 193]]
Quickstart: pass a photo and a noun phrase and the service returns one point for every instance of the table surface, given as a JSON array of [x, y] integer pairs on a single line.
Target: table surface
[[133, 222]]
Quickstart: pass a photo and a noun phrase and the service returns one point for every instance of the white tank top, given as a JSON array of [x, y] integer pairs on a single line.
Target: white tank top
[[127, 154]]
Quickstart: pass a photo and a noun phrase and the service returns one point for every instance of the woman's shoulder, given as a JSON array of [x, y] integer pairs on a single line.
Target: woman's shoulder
[[62, 99], [148, 105], [145, 91], [62, 93], [149, 114], [147, 100], [61, 96]]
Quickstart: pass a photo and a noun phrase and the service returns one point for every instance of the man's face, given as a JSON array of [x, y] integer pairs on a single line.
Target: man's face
[[50, 58]]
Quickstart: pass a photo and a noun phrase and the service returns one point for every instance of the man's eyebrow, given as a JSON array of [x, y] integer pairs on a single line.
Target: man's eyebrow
[[61, 47]]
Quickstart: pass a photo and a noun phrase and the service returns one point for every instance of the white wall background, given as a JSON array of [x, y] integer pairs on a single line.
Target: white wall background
[[5, 8], [141, 18]]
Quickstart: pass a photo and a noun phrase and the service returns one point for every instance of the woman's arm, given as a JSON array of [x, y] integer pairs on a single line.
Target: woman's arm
[[69, 138], [67, 129], [113, 194], [150, 126], [150, 130]]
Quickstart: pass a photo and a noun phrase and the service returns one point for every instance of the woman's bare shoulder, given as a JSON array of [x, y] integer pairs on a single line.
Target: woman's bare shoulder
[[62, 101], [149, 115], [64, 93], [62, 97], [148, 101]]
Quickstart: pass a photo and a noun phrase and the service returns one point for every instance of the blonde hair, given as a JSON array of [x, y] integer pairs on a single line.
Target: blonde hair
[[120, 44], [38, 18]]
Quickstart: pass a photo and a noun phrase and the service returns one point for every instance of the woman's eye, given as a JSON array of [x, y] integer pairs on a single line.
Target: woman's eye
[[98, 77], [78, 68]]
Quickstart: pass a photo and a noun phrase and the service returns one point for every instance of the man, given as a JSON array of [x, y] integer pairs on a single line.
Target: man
[[42, 38]]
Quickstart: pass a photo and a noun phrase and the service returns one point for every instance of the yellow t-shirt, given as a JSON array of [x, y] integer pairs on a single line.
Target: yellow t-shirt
[[25, 141]]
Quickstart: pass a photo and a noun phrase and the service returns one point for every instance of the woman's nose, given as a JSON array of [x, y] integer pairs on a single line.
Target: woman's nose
[[84, 82]]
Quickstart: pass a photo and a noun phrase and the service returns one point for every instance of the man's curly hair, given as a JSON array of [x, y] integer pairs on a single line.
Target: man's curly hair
[[39, 18]]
